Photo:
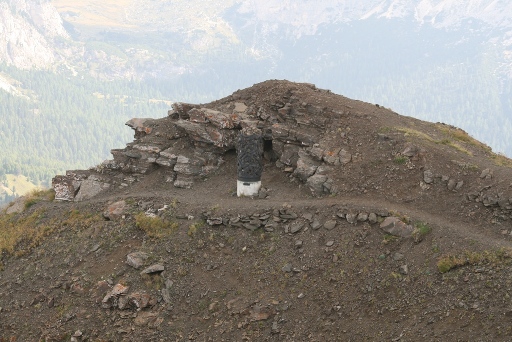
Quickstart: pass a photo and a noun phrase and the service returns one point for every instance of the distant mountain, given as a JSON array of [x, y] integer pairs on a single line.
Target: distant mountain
[[101, 62], [30, 33]]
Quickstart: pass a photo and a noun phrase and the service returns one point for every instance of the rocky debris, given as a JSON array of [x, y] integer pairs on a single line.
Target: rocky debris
[[394, 226], [414, 152], [404, 270], [112, 297], [345, 157], [138, 125]]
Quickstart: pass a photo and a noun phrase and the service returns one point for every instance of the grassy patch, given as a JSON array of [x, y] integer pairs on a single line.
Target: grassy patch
[[460, 135], [77, 220], [155, 227], [400, 159], [501, 160], [388, 238], [456, 146], [385, 129], [38, 195], [449, 262], [415, 133], [18, 235]]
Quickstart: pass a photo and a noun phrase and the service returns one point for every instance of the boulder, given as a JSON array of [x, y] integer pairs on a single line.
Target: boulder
[[91, 187], [316, 183], [451, 184], [428, 176], [394, 226], [345, 157], [486, 174], [330, 224], [115, 211], [156, 268], [306, 166], [139, 125], [136, 259]]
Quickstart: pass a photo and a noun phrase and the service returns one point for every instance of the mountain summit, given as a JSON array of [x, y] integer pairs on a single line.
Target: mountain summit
[[369, 226]]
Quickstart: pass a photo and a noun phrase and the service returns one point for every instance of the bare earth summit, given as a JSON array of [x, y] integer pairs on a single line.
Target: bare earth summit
[[155, 246]]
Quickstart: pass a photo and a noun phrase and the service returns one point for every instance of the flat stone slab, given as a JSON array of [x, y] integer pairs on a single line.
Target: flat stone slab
[[153, 269]]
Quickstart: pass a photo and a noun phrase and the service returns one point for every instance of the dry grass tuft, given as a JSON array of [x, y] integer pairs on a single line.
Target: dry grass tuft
[[155, 227], [38, 195], [415, 133], [501, 160], [449, 262], [18, 235]]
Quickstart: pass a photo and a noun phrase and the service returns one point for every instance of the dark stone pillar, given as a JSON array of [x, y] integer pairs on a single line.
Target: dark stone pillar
[[250, 161]]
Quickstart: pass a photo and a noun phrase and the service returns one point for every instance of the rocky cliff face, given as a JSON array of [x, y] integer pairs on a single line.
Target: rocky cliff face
[[28, 33], [306, 15]]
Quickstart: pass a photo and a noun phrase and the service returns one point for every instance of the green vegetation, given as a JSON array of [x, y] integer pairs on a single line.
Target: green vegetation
[[400, 159], [155, 227], [59, 121]]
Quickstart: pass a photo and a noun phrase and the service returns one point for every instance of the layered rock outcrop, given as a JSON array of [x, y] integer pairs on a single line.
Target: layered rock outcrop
[[191, 141]]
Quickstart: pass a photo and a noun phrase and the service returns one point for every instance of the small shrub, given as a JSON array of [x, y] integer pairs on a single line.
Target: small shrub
[[192, 229], [446, 263], [421, 229], [402, 217], [155, 227], [401, 159]]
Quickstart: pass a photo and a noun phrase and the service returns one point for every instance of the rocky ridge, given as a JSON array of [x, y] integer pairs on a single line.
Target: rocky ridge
[[310, 141]]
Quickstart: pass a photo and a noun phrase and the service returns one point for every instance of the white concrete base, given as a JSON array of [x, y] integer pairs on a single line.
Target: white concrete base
[[248, 189]]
